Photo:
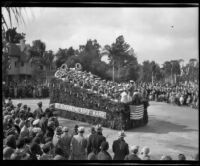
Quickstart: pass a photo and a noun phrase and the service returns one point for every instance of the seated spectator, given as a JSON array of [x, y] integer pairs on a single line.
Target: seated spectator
[[145, 153], [181, 157], [11, 141], [92, 156], [166, 157], [7, 152], [133, 153], [59, 154], [46, 152], [103, 154], [34, 151]]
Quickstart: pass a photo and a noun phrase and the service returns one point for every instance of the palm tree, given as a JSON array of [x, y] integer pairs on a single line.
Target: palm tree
[[14, 13]]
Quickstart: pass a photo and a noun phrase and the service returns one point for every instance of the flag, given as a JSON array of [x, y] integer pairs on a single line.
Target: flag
[[136, 112]]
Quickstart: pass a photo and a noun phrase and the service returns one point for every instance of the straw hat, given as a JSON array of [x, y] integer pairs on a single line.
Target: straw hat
[[122, 134], [81, 129]]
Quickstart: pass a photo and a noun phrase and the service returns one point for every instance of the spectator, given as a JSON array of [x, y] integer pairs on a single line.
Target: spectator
[[38, 112], [103, 154], [79, 145], [57, 135], [181, 157], [7, 152], [166, 157], [133, 155], [46, 152], [91, 141], [34, 151], [120, 147], [65, 141], [145, 153], [59, 154]]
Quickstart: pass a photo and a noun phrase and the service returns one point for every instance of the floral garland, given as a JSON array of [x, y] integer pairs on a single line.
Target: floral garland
[[117, 114]]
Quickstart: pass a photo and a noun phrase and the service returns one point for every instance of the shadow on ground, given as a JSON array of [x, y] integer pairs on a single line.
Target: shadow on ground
[[158, 126]]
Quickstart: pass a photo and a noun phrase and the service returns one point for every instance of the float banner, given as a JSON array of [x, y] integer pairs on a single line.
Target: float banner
[[79, 110]]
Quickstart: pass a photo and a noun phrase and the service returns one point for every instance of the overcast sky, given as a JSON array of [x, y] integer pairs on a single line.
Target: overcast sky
[[158, 34]]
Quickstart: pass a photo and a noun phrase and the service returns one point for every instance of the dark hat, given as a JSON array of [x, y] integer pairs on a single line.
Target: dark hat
[[19, 104], [59, 130], [39, 103], [104, 145], [7, 152], [25, 106]]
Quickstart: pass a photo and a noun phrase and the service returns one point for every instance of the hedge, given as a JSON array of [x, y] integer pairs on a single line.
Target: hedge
[[117, 114]]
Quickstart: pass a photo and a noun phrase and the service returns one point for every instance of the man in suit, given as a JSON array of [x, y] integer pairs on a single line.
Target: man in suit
[[120, 147]]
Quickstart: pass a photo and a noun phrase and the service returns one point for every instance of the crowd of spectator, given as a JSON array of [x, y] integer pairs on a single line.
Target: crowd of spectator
[[37, 135], [26, 89], [180, 94]]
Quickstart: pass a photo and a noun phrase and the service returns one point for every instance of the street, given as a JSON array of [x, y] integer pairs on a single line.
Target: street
[[171, 129]]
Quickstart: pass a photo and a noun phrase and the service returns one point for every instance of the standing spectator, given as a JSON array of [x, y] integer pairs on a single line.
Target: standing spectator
[[65, 141], [91, 141], [120, 147], [57, 135], [34, 92], [103, 154], [133, 155], [9, 103], [79, 145], [46, 152], [145, 153], [38, 112], [15, 91]]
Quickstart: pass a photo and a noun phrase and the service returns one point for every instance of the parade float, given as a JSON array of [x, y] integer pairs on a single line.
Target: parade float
[[80, 104]]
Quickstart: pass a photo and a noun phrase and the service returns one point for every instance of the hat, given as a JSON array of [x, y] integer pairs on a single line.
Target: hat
[[35, 122], [81, 129], [59, 130], [122, 134], [134, 148], [99, 128], [30, 119], [92, 129], [145, 150], [104, 145], [25, 106], [40, 103], [7, 152], [50, 123], [19, 104], [131, 81], [65, 129], [36, 129]]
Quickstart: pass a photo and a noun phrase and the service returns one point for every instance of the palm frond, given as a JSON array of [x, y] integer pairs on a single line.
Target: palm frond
[[9, 14]]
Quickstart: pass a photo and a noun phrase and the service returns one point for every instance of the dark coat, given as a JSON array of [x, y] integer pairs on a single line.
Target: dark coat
[[120, 149], [104, 155], [132, 157], [94, 143], [43, 124]]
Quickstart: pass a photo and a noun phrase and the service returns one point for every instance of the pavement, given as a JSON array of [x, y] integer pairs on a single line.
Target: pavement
[[171, 129]]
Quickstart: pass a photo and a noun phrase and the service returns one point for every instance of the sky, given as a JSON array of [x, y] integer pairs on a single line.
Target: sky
[[158, 34]]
